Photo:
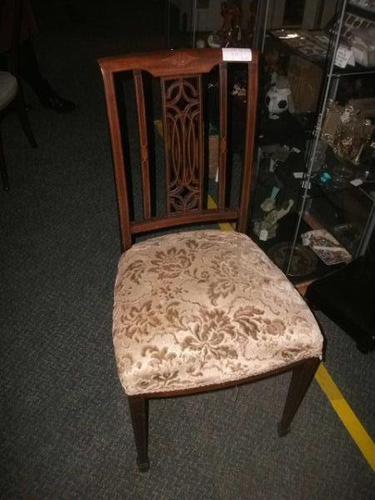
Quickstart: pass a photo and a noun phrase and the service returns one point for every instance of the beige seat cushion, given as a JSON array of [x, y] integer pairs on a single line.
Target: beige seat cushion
[[205, 307], [8, 88]]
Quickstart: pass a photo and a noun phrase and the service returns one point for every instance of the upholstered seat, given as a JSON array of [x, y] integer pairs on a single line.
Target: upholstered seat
[[8, 88], [202, 308]]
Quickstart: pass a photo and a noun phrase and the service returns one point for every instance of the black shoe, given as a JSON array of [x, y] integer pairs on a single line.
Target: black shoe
[[50, 99], [57, 103]]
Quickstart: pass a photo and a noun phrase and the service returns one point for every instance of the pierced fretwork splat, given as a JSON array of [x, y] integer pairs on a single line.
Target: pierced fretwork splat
[[183, 130]]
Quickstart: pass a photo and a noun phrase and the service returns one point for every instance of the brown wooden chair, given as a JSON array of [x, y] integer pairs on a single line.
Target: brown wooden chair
[[201, 309]]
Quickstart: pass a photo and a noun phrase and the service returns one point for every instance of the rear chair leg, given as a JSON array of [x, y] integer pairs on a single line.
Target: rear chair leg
[[302, 376], [139, 415]]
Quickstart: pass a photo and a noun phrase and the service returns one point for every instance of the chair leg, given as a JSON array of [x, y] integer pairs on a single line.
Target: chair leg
[[302, 376], [3, 167], [24, 119], [139, 415]]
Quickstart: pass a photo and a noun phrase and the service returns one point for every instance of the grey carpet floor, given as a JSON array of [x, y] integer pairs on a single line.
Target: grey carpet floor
[[65, 428]]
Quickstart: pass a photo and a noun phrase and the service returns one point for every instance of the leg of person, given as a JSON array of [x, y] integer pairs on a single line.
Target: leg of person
[[28, 69]]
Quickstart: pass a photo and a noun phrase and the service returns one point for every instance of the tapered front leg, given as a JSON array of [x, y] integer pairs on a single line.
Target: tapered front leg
[[139, 415], [302, 376]]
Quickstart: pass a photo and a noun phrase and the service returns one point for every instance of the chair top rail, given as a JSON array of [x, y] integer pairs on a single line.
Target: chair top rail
[[167, 62]]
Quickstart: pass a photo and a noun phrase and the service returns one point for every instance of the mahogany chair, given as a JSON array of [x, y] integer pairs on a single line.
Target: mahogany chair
[[202, 309]]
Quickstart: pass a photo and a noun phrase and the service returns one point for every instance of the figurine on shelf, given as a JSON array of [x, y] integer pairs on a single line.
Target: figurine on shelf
[[269, 203], [348, 139], [230, 34], [346, 131], [266, 228], [349, 134], [279, 97]]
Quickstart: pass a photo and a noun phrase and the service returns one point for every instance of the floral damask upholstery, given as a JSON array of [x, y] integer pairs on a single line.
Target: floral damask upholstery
[[205, 307]]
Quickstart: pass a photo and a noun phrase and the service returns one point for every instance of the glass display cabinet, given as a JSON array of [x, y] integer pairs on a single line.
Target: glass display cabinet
[[211, 23], [314, 195], [314, 199]]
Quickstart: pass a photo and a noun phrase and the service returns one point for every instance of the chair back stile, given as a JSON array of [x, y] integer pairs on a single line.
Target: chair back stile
[[118, 159], [180, 74], [223, 141], [145, 161], [249, 171]]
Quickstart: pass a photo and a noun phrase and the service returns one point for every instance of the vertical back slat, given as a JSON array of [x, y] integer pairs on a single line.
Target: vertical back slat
[[166, 143], [223, 146], [201, 152], [251, 106], [145, 163], [118, 158]]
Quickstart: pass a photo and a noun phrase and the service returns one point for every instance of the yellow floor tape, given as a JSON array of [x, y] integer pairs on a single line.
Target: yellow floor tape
[[347, 416], [225, 226]]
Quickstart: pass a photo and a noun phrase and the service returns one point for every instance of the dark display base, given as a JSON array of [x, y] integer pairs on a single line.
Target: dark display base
[[306, 268]]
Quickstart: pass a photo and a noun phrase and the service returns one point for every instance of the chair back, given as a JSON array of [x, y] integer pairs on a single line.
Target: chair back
[[182, 78]]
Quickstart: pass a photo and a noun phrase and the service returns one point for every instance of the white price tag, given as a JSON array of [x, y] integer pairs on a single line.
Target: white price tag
[[230, 54], [343, 56], [356, 182]]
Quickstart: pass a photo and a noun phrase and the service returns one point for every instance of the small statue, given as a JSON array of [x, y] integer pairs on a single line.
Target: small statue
[[269, 203], [347, 132], [230, 33], [279, 97], [266, 229]]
